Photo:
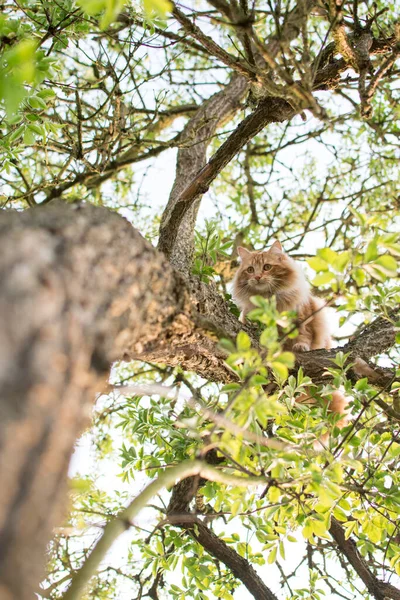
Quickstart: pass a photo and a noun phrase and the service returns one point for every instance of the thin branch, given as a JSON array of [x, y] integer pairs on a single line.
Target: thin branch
[[122, 522], [207, 42]]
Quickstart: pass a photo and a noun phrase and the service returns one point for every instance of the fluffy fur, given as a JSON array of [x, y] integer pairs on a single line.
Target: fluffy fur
[[273, 273]]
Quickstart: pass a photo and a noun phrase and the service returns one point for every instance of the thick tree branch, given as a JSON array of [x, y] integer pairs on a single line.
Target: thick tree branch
[[376, 338], [239, 566], [182, 494], [378, 589], [270, 110], [194, 141], [76, 283]]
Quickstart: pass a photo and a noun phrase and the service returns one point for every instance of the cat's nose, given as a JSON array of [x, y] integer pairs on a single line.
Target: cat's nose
[[258, 277]]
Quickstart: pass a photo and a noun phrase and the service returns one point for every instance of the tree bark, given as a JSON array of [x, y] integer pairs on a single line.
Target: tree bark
[[194, 141], [269, 110], [77, 284], [239, 566]]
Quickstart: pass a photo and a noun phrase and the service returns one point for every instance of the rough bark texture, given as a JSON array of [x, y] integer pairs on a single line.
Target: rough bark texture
[[76, 282], [378, 589], [239, 566], [80, 288], [194, 140]]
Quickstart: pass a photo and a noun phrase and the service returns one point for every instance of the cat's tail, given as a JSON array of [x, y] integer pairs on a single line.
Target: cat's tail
[[338, 405]]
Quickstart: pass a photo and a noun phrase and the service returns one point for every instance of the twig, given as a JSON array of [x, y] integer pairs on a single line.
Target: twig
[[117, 526]]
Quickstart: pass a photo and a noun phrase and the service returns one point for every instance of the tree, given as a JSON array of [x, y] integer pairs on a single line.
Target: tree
[[283, 117]]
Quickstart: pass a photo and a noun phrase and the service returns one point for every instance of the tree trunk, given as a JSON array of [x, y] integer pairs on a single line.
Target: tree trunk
[[78, 283], [194, 141]]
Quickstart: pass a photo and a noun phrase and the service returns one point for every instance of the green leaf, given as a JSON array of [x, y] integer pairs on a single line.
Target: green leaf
[[29, 137], [21, 60], [362, 384], [92, 7], [359, 277], [342, 261], [243, 341], [317, 263], [46, 94], [274, 494], [319, 528], [236, 506], [280, 370], [230, 387], [372, 251], [259, 380], [36, 129], [227, 345], [375, 271], [16, 134], [388, 264], [109, 8], [268, 336], [323, 278], [282, 549], [393, 248], [350, 526], [272, 555], [307, 530], [328, 255], [36, 102], [287, 358], [158, 7]]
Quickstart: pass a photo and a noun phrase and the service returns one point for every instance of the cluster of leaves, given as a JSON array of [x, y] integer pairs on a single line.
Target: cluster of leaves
[[210, 248], [36, 40], [81, 105], [110, 9], [353, 274], [334, 267], [23, 67], [353, 481]]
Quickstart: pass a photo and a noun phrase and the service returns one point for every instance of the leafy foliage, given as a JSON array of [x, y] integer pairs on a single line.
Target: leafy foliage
[[210, 249], [92, 94]]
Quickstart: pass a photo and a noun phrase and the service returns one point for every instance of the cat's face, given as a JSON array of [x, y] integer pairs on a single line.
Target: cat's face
[[265, 272]]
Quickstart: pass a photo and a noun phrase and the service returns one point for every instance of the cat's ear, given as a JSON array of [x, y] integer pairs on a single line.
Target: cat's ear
[[243, 252], [276, 247]]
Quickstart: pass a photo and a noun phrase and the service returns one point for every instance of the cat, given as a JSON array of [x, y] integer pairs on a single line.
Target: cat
[[273, 273]]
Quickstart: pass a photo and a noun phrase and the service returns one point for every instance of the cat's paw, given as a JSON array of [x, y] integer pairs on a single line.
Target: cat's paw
[[242, 318], [301, 347]]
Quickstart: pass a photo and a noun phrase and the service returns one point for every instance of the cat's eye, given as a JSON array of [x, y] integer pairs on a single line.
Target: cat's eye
[[267, 267], [250, 269]]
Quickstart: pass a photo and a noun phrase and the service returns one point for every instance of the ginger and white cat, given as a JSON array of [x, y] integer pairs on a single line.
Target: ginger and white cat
[[273, 273]]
